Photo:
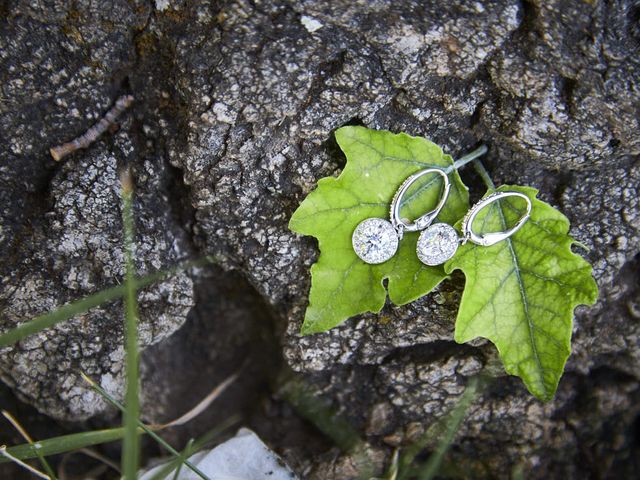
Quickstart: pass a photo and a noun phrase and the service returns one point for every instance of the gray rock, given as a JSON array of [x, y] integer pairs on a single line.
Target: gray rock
[[61, 232], [76, 249], [242, 98]]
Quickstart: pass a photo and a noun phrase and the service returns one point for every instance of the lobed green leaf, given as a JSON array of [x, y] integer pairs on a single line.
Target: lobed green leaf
[[378, 162], [521, 292]]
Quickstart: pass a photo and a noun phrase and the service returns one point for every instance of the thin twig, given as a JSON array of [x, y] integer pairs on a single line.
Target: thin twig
[[101, 458], [91, 135], [28, 438], [200, 407], [35, 471]]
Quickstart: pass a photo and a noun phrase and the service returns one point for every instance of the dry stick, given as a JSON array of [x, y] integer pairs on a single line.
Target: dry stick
[[36, 472], [91, 135], [101, 458], [150, 429], [190, 415], [13, 421], [200, 407]]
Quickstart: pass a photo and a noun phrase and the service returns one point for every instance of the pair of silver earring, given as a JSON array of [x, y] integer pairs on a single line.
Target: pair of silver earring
[[376, 240]]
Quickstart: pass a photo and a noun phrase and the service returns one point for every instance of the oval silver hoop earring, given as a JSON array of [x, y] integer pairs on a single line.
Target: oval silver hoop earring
[[439, 242], [375, 240]]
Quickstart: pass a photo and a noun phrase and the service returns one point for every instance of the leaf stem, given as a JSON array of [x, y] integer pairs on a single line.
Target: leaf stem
[[484, 175], [470, 157]]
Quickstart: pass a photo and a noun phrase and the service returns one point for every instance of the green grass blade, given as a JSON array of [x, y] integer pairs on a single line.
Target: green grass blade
[[70, 310], [130, 444], [48, 320], [183, 456], [307, 402], [173, 451], [63, 444], [144, 427], [24, 465], [517, 472], [45, 465], [194, 446], [453, 425]]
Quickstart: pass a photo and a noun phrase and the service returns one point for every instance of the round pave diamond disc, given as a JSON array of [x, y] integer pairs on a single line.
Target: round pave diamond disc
[[375, 240], [437, 244]]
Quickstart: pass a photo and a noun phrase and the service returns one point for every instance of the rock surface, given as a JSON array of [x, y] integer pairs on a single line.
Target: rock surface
[[61, 230], [236, 102]]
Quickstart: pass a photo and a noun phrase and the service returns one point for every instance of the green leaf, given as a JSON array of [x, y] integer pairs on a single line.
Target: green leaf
[[521, 292], [378, 162]]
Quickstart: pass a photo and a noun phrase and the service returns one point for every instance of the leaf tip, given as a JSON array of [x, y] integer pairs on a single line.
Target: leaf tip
[[292, 225], [343, 132], [547, 397], [309, 328], [544, 394]]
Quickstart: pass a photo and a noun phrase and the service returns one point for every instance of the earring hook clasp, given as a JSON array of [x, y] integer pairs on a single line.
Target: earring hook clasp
[[488, 239], [424, 220]]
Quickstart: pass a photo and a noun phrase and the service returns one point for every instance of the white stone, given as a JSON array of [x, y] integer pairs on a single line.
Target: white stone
[[375, 240], [310, 23], [162, 5], [437, 244], [244, 457]]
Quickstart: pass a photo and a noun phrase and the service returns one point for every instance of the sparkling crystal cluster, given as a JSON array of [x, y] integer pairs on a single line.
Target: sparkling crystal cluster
[[375, 240], [437, 244]]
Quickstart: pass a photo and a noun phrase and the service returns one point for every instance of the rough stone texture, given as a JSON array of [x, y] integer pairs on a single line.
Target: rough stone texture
[[76, 249], [61, 230], [242, 99], [229, 331]]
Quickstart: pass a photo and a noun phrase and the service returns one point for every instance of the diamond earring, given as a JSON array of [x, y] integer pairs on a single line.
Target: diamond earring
[[440, 241], [375, 240]]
